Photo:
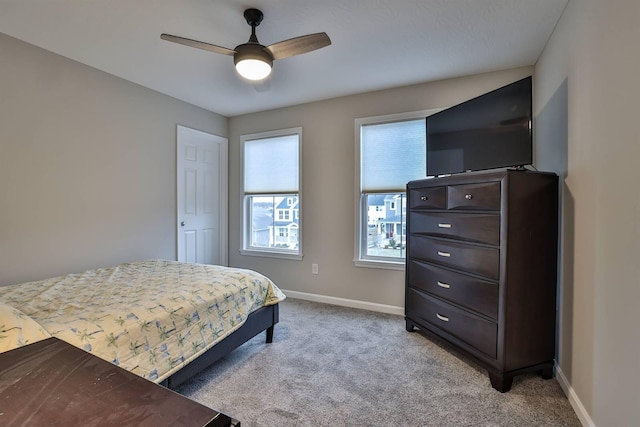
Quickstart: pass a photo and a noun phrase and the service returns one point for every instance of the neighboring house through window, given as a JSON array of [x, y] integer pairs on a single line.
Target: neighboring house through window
[[271, 187], [390, 151]]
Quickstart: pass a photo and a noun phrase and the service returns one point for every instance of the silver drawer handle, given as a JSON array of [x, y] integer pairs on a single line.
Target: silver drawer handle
[[423, 198], [468, 196], [443, 285], [441, 317], [441, 225], [444, 254]]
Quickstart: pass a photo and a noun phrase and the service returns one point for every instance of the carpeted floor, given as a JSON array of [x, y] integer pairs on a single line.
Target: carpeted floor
[[336, 366]]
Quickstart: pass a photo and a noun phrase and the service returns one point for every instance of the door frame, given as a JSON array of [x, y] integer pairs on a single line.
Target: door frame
[[223, 191]]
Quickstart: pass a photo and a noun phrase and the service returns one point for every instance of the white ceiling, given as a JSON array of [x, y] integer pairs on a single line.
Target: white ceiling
[[376, 44]]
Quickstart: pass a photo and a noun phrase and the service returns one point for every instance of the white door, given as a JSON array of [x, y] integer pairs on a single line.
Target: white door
[[202, 197]]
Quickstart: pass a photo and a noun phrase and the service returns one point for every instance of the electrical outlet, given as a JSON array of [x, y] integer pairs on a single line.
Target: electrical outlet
[[314, 268]]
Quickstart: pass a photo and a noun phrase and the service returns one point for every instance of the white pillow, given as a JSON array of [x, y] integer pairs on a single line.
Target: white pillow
[[18, 329]]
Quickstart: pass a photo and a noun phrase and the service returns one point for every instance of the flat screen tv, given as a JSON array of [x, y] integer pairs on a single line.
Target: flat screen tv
[[488, 132]]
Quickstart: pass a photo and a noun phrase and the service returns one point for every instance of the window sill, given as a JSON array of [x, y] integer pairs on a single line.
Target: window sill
[[271, 254], [384, 265]]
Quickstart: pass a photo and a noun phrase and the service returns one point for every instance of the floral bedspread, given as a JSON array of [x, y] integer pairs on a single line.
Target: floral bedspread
[[150, 317]]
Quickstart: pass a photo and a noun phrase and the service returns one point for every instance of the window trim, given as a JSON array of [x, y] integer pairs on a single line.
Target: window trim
[[245, 235], [360, 211]]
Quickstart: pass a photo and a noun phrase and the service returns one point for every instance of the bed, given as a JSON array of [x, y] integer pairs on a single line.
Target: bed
[[162, 320]]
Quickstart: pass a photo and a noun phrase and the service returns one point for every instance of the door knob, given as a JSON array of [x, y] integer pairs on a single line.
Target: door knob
[[182, 223]]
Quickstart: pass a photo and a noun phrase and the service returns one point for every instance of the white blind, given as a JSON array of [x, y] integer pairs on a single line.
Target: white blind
[[392, 154], [271, 165]]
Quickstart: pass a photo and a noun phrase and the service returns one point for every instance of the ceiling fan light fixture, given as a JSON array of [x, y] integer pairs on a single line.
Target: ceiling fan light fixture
[[252, 61], [253, 69]]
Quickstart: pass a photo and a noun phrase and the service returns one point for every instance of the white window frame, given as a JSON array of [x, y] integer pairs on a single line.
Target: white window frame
[[360, 216], [245, 244]]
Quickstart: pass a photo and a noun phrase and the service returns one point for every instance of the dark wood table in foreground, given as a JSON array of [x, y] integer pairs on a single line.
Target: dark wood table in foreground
[[56, 384]]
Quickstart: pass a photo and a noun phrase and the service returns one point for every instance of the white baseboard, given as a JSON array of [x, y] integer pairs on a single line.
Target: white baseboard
[[364, 305], [575, 402]]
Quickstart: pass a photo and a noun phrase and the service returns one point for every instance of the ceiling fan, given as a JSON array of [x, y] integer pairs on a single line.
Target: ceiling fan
[[252, 59]]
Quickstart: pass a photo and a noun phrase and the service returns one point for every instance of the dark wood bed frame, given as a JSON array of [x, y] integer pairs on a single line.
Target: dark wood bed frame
[[263, 319]]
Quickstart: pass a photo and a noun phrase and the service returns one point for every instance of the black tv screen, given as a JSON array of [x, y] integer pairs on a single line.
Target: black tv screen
[[487, 132]]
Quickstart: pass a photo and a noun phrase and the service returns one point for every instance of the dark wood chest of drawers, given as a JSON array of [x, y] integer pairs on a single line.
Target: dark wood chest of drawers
[[481, 267]]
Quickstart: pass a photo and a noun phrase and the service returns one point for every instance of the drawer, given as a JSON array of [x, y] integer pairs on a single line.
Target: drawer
[[475, 331], [471, 258], [482, 196], [430, 197], [484, 228], [473, 293]]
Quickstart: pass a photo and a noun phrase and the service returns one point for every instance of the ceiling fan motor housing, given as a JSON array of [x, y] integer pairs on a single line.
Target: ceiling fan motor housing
[[252, 51]]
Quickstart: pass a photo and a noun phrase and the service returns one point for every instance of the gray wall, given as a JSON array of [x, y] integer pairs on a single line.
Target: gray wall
[[587, 94], [87, 165], [328, 185]]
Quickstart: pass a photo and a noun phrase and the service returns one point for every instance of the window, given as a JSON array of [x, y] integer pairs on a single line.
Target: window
[[283, 215], [271, 199], [390, 151]]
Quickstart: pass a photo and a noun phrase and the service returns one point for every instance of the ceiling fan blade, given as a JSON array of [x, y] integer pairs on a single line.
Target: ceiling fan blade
[[198, 44], [298, 45]]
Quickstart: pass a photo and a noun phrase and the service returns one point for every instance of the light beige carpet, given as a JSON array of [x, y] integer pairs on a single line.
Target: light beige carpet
[[336, 366]]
